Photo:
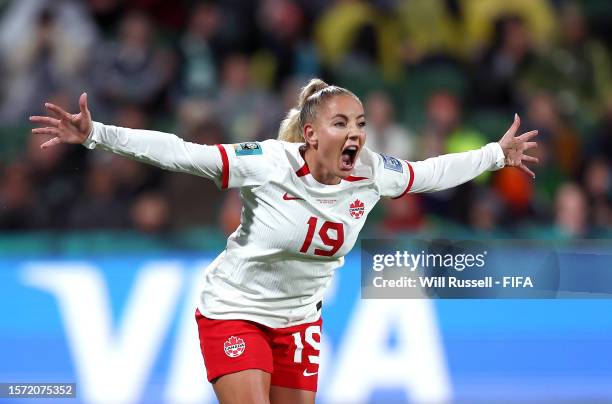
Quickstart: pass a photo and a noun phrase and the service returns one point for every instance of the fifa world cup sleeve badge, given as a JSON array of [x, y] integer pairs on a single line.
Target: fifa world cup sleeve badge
[[247, 149], [391, 163]]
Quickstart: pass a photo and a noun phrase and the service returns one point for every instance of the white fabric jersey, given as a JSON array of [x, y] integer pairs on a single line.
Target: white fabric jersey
[[294, 231]]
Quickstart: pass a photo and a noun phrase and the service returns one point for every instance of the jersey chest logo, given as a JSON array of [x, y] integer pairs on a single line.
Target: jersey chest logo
[[357, 209], [288, 197], [234, 346]]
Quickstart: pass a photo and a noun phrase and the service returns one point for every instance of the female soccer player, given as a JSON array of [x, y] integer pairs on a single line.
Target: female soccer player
[[305, 198]]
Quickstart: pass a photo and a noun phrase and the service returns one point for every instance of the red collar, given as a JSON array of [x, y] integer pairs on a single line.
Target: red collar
[[304, 170]]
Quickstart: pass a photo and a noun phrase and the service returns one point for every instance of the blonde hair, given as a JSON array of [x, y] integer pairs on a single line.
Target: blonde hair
[[312, 95]]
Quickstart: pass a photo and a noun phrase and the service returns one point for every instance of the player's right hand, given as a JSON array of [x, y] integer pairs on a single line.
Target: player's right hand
[[67, 128]]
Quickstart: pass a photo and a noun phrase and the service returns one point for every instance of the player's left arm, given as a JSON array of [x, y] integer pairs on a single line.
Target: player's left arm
[[451, 170]]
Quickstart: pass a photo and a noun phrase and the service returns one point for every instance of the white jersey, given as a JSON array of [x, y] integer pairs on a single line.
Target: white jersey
[[294, 231]]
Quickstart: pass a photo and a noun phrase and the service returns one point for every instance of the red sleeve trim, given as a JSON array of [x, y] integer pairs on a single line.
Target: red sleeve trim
[[225, 169], [410, 181]]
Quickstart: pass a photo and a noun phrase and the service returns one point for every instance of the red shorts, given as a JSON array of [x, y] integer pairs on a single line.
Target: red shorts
[[290, 355]]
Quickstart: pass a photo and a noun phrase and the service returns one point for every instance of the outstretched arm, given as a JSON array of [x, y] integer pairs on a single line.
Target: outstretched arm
[[450, 170], [164, 150]]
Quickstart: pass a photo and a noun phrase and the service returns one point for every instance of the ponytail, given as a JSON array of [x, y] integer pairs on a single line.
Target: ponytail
[[290, 127], [310, 98]]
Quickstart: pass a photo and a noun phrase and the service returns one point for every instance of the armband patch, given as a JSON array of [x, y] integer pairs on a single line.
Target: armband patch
[[391, 163], [247, 149]]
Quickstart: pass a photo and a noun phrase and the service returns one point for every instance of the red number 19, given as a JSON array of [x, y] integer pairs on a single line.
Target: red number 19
[[334, 243]]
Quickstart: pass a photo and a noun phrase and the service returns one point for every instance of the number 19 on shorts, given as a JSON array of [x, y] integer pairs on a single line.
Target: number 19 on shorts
[[308, 338]]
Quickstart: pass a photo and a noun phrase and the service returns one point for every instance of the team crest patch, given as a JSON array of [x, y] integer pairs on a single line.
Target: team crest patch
[[247, 149], [391, 163], [357, 209], [234, 346]]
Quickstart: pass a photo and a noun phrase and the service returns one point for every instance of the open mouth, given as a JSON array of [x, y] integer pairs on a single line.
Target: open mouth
[[349, 155]]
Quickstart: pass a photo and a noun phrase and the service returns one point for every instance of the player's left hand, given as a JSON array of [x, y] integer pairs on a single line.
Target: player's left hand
[[514, 147], [66, 127]]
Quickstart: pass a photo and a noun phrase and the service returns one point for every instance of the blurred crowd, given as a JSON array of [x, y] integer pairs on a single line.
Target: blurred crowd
[[435, 76]]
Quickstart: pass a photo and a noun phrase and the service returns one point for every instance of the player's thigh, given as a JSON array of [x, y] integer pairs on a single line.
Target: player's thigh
[[251, 386], [230, 346], [285, 395], [296, 357]]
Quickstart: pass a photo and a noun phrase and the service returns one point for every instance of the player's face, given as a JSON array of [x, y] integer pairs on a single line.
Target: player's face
[[339, 130]]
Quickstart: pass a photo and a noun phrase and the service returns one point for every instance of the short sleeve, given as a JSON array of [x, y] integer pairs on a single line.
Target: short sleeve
[[393, 177], [247, 164]]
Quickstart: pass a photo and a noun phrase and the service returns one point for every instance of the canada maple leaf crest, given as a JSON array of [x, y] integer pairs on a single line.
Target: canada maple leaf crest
[[234, 346], [356, 209]]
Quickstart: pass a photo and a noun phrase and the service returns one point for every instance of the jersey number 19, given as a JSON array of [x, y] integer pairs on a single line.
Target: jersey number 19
[[334, 243]]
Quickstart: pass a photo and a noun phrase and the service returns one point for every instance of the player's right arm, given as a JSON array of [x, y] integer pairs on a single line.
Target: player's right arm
[[227, 165], [160, 149]]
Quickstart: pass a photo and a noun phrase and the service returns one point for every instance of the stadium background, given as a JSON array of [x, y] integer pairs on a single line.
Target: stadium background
[[99, 255]]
